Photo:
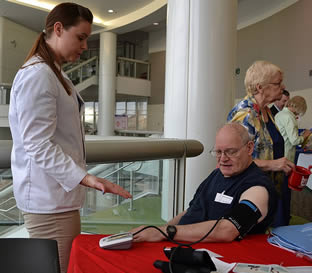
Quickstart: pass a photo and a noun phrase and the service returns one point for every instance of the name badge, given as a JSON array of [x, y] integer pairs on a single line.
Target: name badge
[[223, 198]]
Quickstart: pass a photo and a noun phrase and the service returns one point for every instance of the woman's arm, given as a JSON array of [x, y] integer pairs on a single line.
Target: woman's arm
[[104, 185], [281, 164]]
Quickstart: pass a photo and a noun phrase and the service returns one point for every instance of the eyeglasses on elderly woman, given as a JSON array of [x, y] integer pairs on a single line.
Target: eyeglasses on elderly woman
[[279, 84]]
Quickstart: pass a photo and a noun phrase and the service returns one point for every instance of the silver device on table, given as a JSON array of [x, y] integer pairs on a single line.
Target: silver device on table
[[117, 241]]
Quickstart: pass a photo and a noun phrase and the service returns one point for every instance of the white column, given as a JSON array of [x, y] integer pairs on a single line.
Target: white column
[[107, 83], [200, 62]]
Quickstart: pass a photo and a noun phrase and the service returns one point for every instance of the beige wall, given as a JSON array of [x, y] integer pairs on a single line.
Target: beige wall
[[155, 118], [15, 43], [284, 39], [157, 41], [158, 65], [157, 58]]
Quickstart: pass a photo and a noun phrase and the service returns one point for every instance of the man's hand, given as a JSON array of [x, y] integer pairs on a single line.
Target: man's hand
[[104, 185], [148, 235]]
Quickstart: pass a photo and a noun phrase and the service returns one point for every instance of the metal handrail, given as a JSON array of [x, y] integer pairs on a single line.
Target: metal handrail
[[124, 149], [81, 65], [123, 60], [7, 190], [12, 207], [117, 170], [5, 84], [132, 185], [132, 60]]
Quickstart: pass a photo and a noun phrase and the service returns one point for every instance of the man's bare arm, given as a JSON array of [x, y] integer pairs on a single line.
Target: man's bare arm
[[224, 231], [176, 220]]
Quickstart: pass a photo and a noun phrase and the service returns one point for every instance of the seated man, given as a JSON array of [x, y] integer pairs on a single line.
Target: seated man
[[237, 192]]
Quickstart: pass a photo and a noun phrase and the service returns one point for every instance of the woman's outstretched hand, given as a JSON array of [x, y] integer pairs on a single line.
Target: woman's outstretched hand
[[104, 185], [283, 164]]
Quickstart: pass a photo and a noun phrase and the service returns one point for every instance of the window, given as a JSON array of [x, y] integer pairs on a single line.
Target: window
[[90, 117], [131, 114]]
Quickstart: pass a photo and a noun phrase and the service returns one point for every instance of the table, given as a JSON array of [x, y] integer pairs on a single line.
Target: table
[[87, 256]]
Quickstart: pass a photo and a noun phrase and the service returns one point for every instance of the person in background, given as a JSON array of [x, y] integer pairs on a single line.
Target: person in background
[[237, 192], [264, 85], [286, 120], [288, 126], [279, 104], [48, 158]]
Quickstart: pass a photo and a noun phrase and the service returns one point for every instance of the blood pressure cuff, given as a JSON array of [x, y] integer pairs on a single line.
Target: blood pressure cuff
[[244, 216]]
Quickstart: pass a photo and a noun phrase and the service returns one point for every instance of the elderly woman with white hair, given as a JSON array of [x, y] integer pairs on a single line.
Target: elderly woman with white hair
[[264, 85], [286, 120]]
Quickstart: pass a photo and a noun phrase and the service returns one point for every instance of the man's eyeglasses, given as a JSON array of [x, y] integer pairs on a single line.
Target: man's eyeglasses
[[232, 152]]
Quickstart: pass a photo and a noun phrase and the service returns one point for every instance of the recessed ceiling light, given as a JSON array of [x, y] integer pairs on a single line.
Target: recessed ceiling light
[[156, 24], [110, 11]]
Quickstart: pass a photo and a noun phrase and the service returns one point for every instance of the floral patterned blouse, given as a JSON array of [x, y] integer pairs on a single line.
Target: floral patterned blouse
[[247, 113]]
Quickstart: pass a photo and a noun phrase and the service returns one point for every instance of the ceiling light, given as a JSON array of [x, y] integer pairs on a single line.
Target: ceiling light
[[156, 24], [110, 11], [97, 20]]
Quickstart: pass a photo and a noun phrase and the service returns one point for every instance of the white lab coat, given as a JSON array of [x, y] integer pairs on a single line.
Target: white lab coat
[[48, 154]]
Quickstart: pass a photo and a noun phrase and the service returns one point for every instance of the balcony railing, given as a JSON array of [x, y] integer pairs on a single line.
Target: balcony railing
[[133, 68], [80, 72]]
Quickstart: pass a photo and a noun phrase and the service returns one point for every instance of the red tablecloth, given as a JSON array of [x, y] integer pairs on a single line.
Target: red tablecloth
[[88, 257]]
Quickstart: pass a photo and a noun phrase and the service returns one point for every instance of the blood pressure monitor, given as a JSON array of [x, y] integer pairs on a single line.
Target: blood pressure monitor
[[117, 241]]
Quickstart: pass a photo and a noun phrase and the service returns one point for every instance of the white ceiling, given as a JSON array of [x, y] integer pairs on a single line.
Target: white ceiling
[[253, 11], [249, 11], [126, 11]]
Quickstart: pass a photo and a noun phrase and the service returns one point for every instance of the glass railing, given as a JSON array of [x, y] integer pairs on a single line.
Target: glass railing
[[133, 68], [5, 89], [110, 213], [79, 72], [126, 67], [152, 170], [10, 215]]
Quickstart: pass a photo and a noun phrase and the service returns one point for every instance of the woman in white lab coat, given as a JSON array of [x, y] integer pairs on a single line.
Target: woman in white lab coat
[[48, 155]]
